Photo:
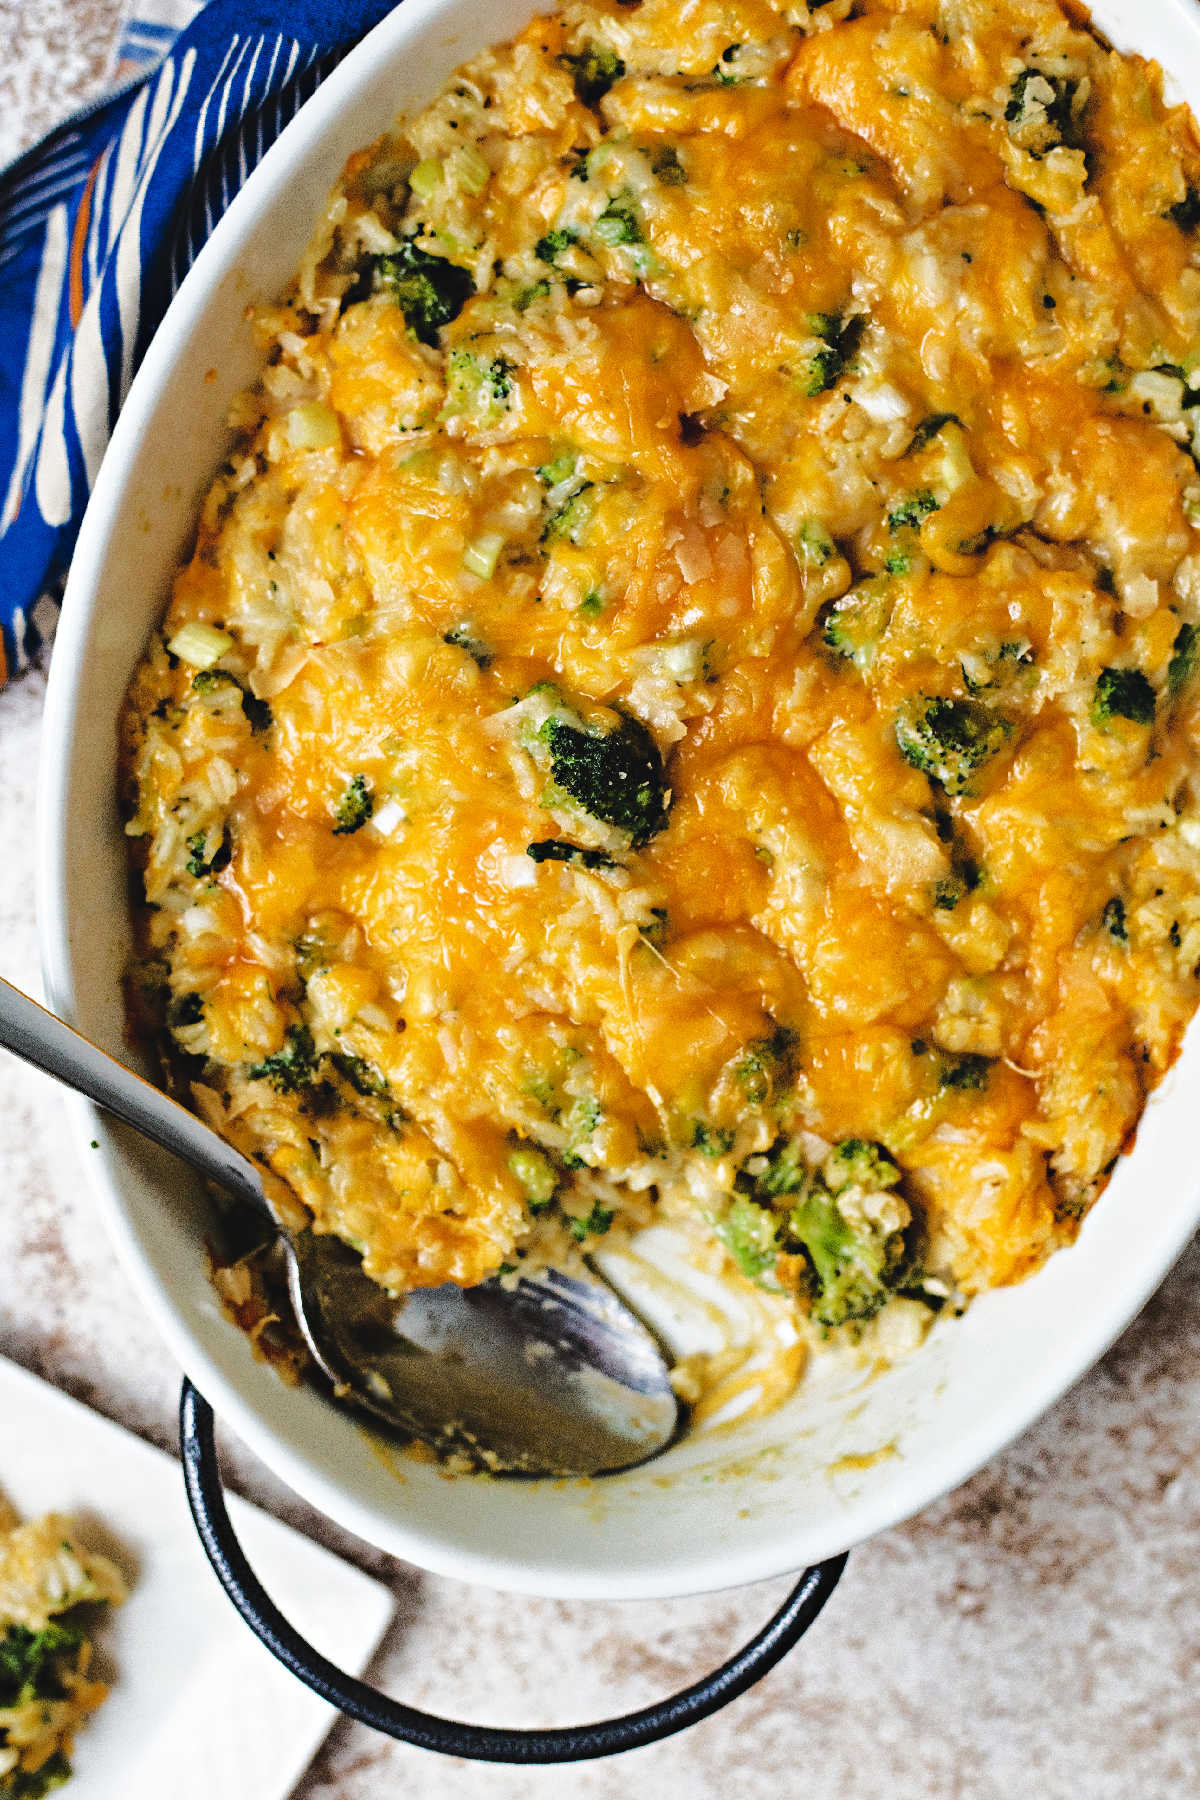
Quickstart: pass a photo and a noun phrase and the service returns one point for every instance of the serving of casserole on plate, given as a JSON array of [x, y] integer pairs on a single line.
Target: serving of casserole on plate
[[678, 714]]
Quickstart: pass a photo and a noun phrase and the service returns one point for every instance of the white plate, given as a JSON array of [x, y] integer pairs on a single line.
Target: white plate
[[198, 1709]]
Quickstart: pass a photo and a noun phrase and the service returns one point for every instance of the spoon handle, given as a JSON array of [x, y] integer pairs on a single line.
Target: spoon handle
[[36, 1035]]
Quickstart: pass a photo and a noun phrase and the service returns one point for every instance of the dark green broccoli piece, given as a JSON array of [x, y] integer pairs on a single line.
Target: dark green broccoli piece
[[750, 1233], [854, 624], [463, 638], [665, 164], [354, 808], [1185, 655], [842, 337], [765, 1068], [429, 290], [362, 1076], [558, 850], [618, 223], [910, 510], [186, 1009], [570, 521], [711, 1142], [32, 1662], [549, 248], [855, 1271], [1040, 113], [1113, 920], [478, 380], [1186, 212], [595, 1224], [950, 740], [594, 69], [785, 1173], [955, 887], [537, 290], [856, 1163], [963, 1070], [257, 712], [201, 861], [614, 775], [928, 429], [1125, 694], [35, 1784], [292, 1068]]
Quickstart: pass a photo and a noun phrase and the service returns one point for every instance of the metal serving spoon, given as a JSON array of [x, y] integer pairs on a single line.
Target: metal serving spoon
[[551, 1376]]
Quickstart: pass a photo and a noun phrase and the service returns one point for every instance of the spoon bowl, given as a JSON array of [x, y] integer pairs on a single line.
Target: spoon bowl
[[546, 1375]]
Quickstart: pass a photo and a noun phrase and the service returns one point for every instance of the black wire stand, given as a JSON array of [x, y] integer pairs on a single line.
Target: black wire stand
[[450, 1737]]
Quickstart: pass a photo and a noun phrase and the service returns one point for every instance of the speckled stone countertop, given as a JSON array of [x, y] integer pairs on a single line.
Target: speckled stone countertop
[[1035, 1636]]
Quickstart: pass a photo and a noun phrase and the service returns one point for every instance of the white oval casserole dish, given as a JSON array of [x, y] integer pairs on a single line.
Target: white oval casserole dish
[[846, 1456]]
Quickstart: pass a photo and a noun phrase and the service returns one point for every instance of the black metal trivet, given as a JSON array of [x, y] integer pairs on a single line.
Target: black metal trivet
[[479, 1743]]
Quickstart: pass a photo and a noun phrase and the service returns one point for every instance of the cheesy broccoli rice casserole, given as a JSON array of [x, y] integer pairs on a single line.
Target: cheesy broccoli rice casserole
[[46, 1690], [684, 703]]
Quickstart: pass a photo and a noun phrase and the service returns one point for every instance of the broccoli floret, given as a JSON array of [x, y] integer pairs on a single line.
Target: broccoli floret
[[928, 429], [842, 337], [595, 1224], [1113, 919], [558, 850], [613, 775], [257, 712], [911, 510], [524, 299], [1125, 694], [362, 1076], [666, 165], [570, 521], [964, 1070], [1040, 113], [856, 1163], [203, 861], [594, 69], [463, 638], [293, 1067], [31, 1662], [710, 1141], [854, 624], [354, 808], [537, 1176], [1185, 655], [35, 1784], [580, 1123], [950, 740], [561, 468], [618, 223], [549, 248], [1186, 212], [764, 1068], [750, 1233], [813, 544], [428, 290], [479, 385], [855, 1270], [785, 1173], [186, 1009]]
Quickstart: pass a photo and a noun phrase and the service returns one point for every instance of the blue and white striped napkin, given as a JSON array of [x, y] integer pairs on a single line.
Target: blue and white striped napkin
[[98, 225]]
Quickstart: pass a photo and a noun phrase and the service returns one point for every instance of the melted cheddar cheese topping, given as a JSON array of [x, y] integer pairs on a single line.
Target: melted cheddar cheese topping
[[683, 703]]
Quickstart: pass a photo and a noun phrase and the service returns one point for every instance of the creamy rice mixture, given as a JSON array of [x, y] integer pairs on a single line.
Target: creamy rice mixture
[[683, 705]]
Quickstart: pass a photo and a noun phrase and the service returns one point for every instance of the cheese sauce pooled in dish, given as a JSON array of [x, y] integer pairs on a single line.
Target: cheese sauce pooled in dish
[[683, 709]]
